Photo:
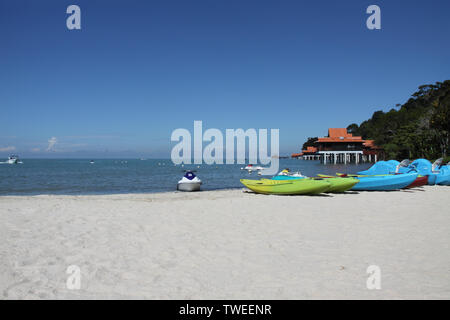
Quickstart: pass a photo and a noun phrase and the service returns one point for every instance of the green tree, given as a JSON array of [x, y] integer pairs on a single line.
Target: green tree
[[418, 128], [311, 142], [353, 128], [440, 122]]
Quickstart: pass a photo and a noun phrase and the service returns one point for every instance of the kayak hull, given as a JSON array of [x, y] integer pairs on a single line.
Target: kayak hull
[[286, 187], [341, 184], [336, 184], [420, 181], [385, 183]]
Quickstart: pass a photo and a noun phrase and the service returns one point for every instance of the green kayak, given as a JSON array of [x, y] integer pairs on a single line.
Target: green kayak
[[336, 184], [340, 184], [297, 186]]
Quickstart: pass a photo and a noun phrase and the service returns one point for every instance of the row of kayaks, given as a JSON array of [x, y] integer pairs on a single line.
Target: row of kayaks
[[405, 175]]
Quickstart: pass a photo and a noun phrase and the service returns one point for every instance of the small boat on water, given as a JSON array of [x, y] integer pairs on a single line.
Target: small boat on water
[[13, 159], [91, 162], [189, 182], [250, 168], [288, 174], [286, 187]]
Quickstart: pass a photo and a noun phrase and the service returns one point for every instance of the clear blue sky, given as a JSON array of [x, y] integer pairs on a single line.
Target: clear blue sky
[[139, 69]]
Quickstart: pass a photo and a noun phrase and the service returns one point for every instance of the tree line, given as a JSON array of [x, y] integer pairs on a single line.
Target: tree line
[[420, 128]]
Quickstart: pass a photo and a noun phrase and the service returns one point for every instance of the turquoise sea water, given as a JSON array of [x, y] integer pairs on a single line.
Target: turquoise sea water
[[109, 176]]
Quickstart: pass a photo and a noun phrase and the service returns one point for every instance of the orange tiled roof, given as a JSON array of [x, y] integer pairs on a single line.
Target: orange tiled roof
[[343, 139], [310, 150], [295, 155], [370, 144], [340, 135], [338, 132]]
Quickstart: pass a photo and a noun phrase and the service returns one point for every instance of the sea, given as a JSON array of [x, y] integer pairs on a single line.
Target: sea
[[114, 176]]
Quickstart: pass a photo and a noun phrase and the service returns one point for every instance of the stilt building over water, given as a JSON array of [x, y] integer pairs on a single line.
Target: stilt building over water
[[341, 147]]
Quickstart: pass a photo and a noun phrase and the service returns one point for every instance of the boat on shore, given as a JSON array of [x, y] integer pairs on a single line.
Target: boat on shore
[[189, 182], [437, 172], [386, 182], [393, 167], [420, 180], [286, 187], [384, 167], [336, 184], [383, 182]]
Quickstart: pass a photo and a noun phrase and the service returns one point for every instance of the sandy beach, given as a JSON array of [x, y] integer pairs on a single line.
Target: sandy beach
[[227, 245]]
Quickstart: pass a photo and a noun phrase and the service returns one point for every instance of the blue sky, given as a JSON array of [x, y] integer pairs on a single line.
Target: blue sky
[[137, 70]]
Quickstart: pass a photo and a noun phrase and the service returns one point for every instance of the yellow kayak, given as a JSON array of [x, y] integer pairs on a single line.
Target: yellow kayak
[[337, 184], [298, 186]]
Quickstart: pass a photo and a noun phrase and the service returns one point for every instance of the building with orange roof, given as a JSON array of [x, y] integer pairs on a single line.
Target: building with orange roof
[[341, 146]]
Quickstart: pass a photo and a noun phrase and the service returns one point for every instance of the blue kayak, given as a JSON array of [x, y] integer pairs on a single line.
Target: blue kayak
[[385, 183]]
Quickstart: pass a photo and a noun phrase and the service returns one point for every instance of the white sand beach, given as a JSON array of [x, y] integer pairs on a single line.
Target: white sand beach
[[227, 245]]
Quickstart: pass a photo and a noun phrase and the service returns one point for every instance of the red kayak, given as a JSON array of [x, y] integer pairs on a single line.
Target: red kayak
[[420, 181]]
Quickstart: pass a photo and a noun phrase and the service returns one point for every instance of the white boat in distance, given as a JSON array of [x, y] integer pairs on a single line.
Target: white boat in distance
[[251, 168], [13, 159]]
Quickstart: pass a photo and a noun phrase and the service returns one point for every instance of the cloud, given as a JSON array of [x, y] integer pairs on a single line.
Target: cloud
[[51, 143], [35, 150], [5, 149]]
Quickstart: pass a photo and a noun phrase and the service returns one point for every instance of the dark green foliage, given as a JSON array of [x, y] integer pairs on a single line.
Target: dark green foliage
[[420, 128], [309, 143], [352, 128]]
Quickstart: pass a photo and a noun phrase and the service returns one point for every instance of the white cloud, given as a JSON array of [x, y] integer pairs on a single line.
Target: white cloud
[[35, 150], [51, 143], [5, 149]]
